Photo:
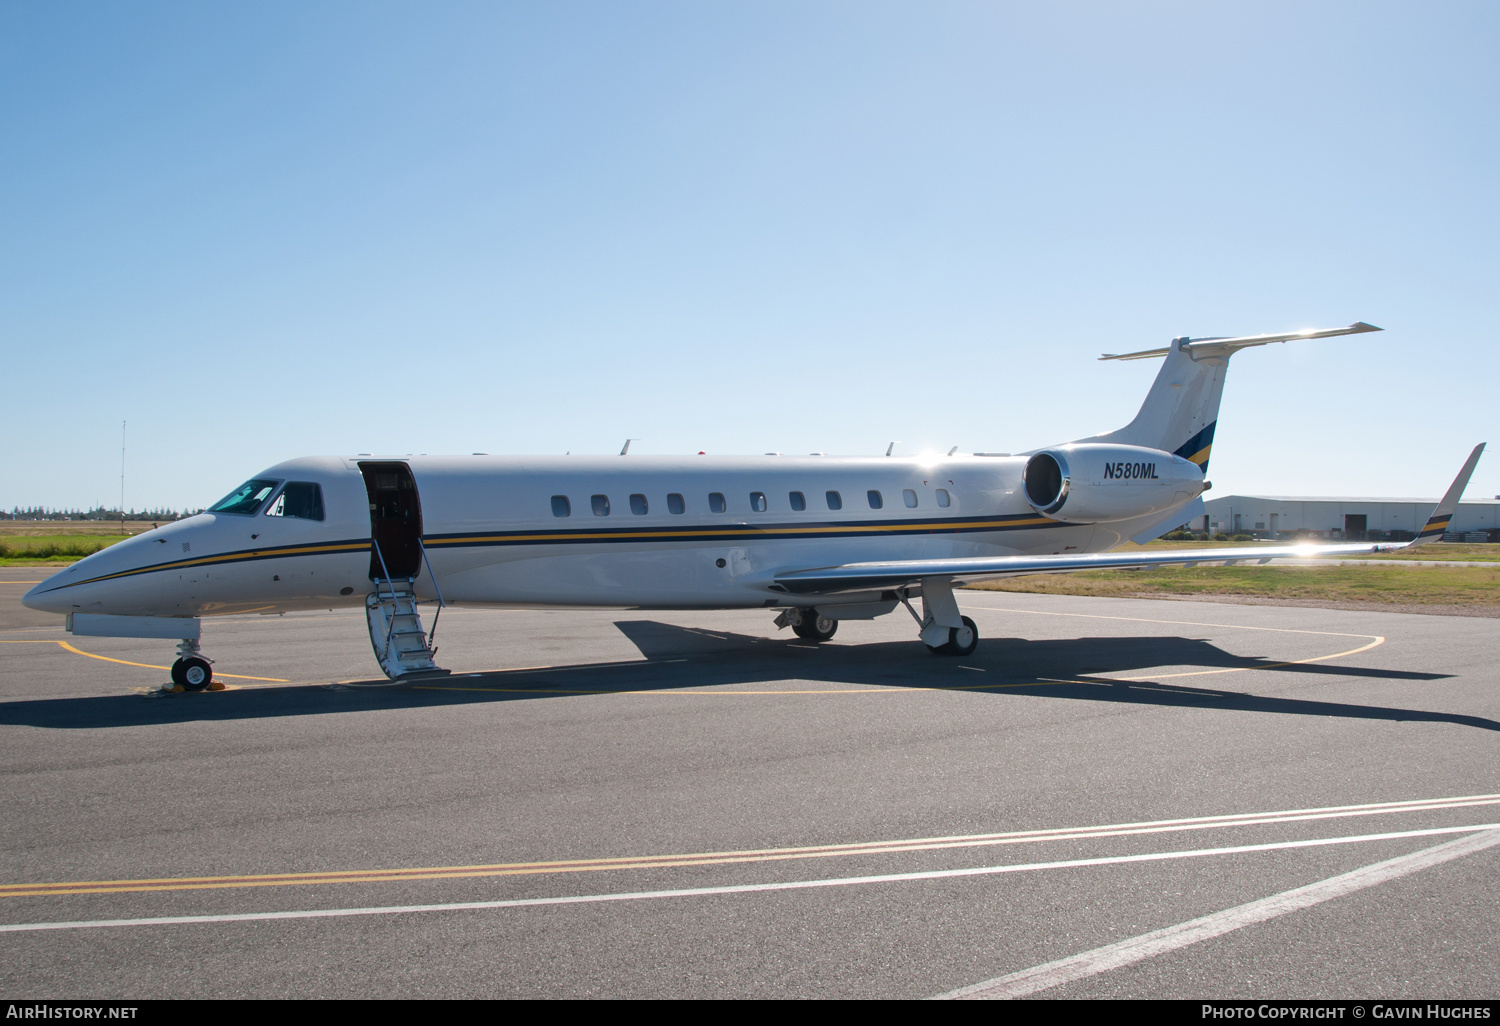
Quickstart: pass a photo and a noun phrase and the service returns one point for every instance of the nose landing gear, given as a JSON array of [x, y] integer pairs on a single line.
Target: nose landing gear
[[191, 671]]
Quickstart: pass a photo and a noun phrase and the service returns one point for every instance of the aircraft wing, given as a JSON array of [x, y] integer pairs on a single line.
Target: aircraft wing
[[903, 573]]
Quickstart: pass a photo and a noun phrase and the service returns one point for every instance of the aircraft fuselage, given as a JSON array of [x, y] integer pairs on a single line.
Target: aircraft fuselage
[[630, 532]]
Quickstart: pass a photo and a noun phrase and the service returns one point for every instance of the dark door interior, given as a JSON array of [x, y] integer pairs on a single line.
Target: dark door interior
[[395, 519], [1354, 526]]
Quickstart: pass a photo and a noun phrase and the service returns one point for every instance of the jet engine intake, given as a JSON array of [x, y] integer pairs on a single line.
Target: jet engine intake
[[1094, 483]]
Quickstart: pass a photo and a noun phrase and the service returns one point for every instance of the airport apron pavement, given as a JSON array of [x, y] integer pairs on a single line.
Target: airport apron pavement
[[1111, 797]]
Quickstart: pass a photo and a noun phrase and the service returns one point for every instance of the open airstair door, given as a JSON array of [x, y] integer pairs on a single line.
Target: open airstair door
[[401, 645], [395, 520]]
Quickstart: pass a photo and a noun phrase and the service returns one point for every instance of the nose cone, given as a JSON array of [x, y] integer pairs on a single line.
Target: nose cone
[[97, 583], [48, 596]]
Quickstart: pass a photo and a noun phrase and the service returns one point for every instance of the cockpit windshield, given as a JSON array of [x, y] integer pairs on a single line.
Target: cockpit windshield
[[245, 499]]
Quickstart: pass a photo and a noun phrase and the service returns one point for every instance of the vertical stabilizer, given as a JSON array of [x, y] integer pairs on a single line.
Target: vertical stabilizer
[[1182, 408]]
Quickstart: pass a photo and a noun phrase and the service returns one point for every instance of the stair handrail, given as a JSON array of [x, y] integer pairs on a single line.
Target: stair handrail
[[441, 604], [391, 625], [384, 569]]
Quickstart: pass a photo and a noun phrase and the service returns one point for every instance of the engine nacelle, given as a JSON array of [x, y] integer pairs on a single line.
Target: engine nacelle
[[1094, 484]]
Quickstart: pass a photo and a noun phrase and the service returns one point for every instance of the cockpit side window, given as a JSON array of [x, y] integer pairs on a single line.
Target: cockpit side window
[[245, 499], [300, 499]]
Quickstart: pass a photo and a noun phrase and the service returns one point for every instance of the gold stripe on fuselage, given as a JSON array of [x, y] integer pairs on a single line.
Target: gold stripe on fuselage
[[584, 536], [688, 534], [227, 557]]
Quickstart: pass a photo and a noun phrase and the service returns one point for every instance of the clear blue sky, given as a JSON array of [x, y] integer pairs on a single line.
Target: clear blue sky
[[264, 230]]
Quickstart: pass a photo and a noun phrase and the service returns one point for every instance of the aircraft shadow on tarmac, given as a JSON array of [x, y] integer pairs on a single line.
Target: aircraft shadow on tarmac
[[681, 657]]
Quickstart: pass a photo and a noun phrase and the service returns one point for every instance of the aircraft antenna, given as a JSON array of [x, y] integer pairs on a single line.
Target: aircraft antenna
[[626, 447], [891, 448]]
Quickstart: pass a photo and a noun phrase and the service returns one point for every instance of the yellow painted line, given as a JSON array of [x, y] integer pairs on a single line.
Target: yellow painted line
[[1175, 623], [1375, 640], [673, 691], [127, 662], [1264, 666], [719, 858]]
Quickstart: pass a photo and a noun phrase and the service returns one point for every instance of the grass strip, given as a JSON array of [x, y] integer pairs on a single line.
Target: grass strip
[[66, 547]]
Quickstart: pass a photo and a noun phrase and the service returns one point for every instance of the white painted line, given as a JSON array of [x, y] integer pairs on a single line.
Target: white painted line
[[689, 892], [677, 859], [1148, 945]]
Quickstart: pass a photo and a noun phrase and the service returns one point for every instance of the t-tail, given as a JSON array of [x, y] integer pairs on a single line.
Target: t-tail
[[1182, 408]]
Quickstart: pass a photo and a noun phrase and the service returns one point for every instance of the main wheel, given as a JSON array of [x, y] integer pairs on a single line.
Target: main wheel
[[815, 626], [961, 641], [193, 674]]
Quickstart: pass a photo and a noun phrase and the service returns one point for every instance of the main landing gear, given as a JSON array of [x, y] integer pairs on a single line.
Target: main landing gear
[[943, 630], [961, 640], [808, 624], [191, 672]]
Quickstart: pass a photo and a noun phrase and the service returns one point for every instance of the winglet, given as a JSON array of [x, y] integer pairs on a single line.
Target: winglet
[[1438, 522]]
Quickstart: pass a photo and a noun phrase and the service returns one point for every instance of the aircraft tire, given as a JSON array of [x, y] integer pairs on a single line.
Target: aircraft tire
[[815, 627], [193, 674], [952, 646]]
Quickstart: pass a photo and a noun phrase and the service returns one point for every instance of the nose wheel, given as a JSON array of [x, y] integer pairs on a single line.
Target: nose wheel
[[192, 672]]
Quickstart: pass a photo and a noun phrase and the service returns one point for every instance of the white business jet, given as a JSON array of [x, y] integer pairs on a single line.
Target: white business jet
[[817, 539]]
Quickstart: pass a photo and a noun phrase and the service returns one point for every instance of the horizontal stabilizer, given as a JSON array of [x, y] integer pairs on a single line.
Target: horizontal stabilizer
[[1225, 346]]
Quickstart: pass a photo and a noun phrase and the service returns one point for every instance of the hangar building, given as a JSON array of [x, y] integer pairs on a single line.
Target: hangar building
[[1276, 516]]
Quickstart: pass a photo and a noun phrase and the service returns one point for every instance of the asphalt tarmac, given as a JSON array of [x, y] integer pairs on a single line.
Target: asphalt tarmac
[[656, 804]]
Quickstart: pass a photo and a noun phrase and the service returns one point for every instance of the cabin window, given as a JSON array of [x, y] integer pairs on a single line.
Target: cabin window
[[561, 507], [600, 504], [716, 502], [638, 504], [675, 503], [300, 499], [798, 502], [245, 499], [909, 497], [758, 501], [835, 501], [942, 498], [876, 502]]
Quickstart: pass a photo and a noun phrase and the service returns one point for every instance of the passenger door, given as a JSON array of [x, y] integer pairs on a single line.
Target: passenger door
[[395, 519]]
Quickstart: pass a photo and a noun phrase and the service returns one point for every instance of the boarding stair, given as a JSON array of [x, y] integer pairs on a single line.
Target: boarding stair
[[402, 646]]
